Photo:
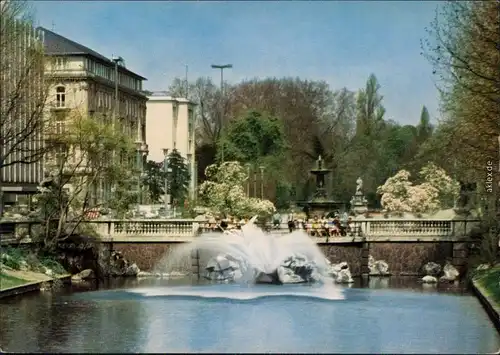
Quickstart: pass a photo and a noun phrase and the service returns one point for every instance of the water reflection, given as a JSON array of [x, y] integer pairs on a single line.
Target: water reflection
[[387, 318]]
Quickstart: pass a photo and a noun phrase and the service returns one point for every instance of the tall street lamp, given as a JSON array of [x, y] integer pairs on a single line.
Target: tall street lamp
[[222, 67], [186, 81], [140, 167], [116, 60]]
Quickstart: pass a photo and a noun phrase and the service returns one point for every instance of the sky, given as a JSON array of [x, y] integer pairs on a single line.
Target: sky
[[340, 42]]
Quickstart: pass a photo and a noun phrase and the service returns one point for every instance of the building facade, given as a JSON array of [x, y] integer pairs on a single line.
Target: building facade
[[83, 79], [171, 125], [22, 97]]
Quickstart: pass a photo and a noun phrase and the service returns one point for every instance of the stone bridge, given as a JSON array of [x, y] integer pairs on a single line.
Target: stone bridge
[[405, 244]]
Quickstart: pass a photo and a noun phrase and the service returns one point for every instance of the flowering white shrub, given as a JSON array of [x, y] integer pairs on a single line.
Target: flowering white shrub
[[223, 192], [423, 198], [437, 190], [448, 188]]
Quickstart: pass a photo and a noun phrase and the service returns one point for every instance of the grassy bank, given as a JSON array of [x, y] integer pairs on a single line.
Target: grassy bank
[[7, 281], [490, 281], [23, 260]]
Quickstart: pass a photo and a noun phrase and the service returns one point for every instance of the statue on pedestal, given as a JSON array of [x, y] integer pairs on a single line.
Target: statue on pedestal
[[359, 186], [359, 204]]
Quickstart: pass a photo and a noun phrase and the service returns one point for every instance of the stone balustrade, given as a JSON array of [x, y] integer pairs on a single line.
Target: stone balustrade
[[186, 229]]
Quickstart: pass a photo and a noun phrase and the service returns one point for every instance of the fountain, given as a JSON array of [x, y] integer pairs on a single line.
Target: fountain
[[320, 204], [251, 255]]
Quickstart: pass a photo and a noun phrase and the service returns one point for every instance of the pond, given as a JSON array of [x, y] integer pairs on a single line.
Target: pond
[[386, 316]]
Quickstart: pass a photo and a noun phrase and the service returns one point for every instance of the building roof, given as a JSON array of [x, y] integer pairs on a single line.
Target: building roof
[[161, 96], [56, 44]]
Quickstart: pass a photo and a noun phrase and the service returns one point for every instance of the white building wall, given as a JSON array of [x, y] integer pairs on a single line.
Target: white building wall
[[167, 127]]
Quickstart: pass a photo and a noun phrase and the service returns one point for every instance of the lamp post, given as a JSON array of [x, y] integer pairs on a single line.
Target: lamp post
[[261, 182], [248, 179], [140, 168], [255, 182], [222, 67], [186, 79], [116, 60], [165, 170]]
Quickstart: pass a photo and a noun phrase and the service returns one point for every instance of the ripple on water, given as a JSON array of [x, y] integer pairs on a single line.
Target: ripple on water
[[218, 292]]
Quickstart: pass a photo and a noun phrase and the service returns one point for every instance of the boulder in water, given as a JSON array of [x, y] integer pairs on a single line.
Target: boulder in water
[[340, 273], [294, 269], [432, 269], [378, 267], [288, 276], [87, 274], [223, 268], [450, 273], [132, 270], [429, 279], [271, 278]]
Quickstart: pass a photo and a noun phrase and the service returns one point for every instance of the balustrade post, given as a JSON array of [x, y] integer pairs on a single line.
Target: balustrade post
[[111, 228]]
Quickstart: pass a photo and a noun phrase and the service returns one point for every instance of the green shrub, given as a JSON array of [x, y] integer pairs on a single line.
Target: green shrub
[[52, 264], [490, 280], [12, 258]]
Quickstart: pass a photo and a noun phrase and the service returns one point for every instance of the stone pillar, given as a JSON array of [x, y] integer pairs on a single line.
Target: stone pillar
[[365, 255], [195, 263], [459, 257]]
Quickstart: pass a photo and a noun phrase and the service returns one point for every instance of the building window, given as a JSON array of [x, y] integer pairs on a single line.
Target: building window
[[60, 96], [60, 153], [59, 122], [61, 62]]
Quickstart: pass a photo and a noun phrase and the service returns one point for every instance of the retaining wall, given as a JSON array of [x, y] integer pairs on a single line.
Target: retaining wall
[[403, 258]]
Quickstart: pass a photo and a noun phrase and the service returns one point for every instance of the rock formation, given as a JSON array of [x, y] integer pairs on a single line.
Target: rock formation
[[294, 269], [432, 269], [340, 273], [378, 267]]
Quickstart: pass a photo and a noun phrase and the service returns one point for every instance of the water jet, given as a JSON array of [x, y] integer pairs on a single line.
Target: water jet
[[251, 255]]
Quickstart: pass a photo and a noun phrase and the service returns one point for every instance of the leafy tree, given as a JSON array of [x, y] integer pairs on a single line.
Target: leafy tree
[[178, 176], [463, 46], [424, 128], [154, 180], [90, 157], [253, 136], [257, 139], [341, 126]]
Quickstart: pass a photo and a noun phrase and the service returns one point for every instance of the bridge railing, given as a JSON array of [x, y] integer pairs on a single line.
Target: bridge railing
[[188, 228]]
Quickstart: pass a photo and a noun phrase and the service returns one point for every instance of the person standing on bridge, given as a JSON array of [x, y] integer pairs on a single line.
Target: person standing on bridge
[[276, 220], [291, 221]]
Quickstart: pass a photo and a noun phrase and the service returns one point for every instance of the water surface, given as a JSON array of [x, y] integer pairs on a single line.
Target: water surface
[[177, 317]]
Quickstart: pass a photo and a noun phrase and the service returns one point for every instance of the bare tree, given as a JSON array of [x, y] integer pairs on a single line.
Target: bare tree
[[23, 92], [212, 110], [463, 45]]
